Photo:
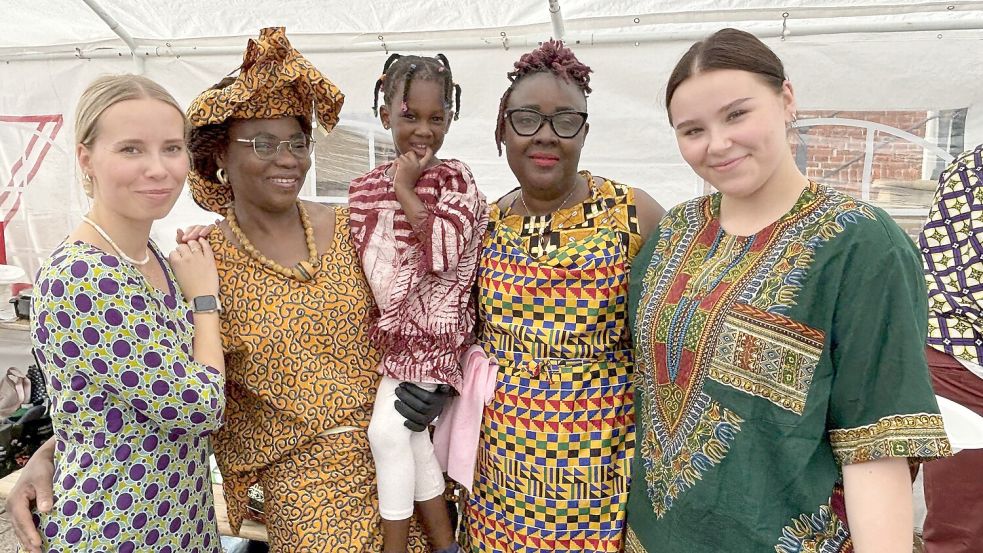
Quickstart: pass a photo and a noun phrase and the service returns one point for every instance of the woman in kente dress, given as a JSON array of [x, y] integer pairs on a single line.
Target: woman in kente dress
[[557, 439], [779, 329]]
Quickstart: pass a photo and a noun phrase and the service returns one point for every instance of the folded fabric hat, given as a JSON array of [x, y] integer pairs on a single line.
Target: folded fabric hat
[[274, 80]]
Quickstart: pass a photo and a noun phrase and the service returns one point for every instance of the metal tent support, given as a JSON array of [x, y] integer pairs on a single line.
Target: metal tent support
[[557, 19], [115, 27]]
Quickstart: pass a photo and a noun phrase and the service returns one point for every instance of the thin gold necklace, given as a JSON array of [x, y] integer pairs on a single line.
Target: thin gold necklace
[[547, 228], [303, 270], [119, 251]]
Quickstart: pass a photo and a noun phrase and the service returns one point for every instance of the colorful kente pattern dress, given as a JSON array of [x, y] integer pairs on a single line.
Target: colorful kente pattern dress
[[130, 407], [764, 364], [301, 380], [557, 439]]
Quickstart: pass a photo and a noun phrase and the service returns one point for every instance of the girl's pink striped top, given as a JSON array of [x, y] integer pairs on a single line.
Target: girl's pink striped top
[[421, 280]]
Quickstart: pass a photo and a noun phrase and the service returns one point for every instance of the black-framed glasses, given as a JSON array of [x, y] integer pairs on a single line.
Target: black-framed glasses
[[268, 149], [527, 121]]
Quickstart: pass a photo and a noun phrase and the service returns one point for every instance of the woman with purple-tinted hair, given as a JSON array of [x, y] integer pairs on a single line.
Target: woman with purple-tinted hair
[[129, 342]]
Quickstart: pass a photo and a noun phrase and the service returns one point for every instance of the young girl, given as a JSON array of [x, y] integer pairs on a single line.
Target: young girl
[[779, 328], [417, 225]]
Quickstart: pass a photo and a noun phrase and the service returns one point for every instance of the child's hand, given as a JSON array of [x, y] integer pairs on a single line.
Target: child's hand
[[410, 166]]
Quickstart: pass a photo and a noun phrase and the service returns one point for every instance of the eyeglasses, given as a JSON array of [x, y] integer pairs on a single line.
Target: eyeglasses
[[268, 150], [527, 122]]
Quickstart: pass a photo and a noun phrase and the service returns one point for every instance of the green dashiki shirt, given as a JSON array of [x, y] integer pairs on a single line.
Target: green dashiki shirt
[[766, 362]]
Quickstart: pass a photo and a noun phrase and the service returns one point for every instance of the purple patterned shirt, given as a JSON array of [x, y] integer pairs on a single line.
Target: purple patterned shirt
[[131, 408], [952, 250]]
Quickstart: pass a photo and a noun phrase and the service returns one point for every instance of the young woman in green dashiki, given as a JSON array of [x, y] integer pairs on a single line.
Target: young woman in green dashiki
[[779, 328]]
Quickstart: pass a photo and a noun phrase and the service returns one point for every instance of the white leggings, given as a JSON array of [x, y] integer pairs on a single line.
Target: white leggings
[[401, 480]]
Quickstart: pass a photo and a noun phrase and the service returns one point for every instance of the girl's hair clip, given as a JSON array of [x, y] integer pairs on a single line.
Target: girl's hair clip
[[403, 108]]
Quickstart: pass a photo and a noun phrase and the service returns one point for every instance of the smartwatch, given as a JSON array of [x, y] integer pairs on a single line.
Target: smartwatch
[[205, 304]]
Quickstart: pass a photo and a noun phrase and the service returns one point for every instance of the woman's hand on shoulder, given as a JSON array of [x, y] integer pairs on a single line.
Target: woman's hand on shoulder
[[194, 267], [193, 233], [649, 213]]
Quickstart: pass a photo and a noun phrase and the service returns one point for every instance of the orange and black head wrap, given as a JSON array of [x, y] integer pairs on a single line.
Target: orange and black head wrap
[[274, 80]]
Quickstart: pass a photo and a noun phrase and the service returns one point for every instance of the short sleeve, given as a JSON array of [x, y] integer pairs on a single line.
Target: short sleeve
[[96, 326], [882, 403]]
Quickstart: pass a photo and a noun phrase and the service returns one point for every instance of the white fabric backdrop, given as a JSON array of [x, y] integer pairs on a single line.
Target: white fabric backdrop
[[629, 137]]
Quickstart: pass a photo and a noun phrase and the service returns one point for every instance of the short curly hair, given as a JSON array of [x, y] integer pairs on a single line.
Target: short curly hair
[[551, 57]]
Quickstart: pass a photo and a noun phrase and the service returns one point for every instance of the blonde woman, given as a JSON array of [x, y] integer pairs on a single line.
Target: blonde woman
[[129, 341]]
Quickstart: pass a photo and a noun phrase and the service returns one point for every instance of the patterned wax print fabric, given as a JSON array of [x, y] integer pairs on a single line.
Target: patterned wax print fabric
[[131, 409], [557, 438], [766, 362], [953, 256], [274, 80], [301, 379], [422, 279]]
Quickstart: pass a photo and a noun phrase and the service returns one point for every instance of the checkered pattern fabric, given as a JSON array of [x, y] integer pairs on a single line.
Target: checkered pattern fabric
[[558, 438]]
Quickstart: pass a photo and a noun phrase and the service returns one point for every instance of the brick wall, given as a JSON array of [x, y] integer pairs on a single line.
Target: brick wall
[[835, 154]]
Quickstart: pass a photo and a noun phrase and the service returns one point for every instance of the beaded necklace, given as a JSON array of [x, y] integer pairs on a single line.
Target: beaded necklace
[[119, 251], [302, 271]]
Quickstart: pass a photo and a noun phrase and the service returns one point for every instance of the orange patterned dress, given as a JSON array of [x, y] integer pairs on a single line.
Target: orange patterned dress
[[300, 384]]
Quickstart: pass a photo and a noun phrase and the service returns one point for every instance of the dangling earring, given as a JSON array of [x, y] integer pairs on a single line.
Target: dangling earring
[[87, 186], [220, 175], [795, 120]]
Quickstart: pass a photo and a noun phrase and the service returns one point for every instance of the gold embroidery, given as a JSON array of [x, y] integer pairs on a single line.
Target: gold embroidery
[[767, 355], [632, 543], [921, 436]]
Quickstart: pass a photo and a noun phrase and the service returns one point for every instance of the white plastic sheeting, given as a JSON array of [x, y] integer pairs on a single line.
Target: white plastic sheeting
[[841, 55]]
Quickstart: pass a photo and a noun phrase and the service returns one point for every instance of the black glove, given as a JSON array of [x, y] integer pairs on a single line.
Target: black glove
[[419, 406]]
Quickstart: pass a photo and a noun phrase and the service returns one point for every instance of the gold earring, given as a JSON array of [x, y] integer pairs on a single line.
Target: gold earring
[[220, 175]]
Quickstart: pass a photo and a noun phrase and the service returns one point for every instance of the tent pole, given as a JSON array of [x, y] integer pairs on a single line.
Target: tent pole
[[557, 18], [115, 27], [522, 40]]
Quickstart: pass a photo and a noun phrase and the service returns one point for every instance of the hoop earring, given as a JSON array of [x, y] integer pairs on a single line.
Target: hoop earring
[[220, 175]]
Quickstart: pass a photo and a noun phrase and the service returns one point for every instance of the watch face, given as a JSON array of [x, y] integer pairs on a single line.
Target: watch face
[[205, 303]]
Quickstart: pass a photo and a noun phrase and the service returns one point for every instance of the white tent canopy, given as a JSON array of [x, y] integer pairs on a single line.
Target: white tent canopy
[[841, 55]]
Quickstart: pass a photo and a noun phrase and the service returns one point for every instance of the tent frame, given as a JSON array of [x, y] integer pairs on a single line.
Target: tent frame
[[789, 23]]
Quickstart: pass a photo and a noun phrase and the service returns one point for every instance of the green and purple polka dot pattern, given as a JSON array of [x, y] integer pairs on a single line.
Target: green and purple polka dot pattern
[[131, 409]]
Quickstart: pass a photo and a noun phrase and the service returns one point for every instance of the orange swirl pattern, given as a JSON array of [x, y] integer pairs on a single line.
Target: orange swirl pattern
[[299, 363]]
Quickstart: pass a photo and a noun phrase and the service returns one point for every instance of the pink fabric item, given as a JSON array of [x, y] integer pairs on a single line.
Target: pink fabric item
[[422, 279], [455, 439]]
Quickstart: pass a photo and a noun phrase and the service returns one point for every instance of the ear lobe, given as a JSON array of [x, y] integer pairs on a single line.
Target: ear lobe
[[384, 116], [83, 157], [788, 98]]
